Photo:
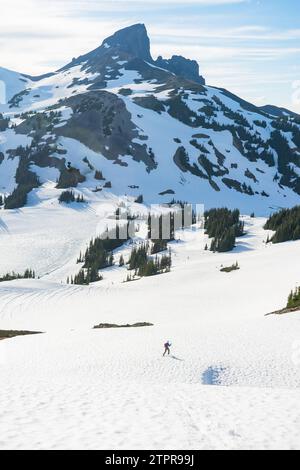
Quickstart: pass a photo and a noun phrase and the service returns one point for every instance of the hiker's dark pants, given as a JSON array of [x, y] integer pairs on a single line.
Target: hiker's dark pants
[[167, 350]]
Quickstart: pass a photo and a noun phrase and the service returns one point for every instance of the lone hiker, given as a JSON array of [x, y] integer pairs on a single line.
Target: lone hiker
[[167, 346]]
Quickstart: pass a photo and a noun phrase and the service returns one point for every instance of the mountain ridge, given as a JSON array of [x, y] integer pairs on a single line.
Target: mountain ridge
[[151, 127]]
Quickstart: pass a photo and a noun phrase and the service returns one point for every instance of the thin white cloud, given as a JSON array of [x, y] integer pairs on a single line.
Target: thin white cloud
[[250, 32]]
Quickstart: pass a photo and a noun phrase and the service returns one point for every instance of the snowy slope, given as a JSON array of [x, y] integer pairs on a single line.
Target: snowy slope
[[12, 83], [229, 364]]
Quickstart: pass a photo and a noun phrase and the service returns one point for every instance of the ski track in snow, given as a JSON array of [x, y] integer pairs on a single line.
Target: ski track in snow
[[230, 382]]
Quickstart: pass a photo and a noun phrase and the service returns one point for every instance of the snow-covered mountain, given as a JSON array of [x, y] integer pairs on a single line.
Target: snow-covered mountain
[[151, 127]]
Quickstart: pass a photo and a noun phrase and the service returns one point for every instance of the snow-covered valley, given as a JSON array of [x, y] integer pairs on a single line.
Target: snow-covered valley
[[233, 377]]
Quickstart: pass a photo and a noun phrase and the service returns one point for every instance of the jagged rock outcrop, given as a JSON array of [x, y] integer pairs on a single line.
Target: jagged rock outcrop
[[182, 67], [134, 40]]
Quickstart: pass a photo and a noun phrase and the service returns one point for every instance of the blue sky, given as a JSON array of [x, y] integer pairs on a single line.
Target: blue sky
[[251, 47]]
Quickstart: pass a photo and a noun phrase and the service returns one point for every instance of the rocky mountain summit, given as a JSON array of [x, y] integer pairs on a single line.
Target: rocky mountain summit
[[117, 120]]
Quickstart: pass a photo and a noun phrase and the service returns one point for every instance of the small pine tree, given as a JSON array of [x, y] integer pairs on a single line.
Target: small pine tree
[[67, 197], [294, 298], [139, 199], [99, 175]]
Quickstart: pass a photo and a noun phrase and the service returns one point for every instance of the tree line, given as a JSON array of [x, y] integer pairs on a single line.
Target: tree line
[[99, 255], [69, 196], [286, 225], [294, 298], [145, 265], [28, 274]]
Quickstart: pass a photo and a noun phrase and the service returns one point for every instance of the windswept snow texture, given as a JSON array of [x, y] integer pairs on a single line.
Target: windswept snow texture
[[232, 379]]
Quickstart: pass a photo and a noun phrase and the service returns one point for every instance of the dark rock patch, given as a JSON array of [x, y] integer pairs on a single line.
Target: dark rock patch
[[127, 325]]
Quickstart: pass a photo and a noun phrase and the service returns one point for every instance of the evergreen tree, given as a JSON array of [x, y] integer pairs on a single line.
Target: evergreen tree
[[67, 197], [138, 257], [99, 254], [99, 175], [286, 224], [294, 298], [223, 226], [85, 277]]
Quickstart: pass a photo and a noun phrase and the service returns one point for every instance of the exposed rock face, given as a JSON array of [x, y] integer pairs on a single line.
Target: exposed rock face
[[101, 121], [133, 40], [182, 67]]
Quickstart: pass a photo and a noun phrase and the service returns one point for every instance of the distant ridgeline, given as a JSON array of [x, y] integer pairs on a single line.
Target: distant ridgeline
[[285, 224], [99, 255]]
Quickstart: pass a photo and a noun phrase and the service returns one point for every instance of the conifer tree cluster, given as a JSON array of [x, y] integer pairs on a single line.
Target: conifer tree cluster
[[286, 224], [69, 196], [223, 225], [28, 274], [158, 246], [155, 266], [85, 277], [26, 179], [99, 255], [229, 269], [99, 175], [4, 123], [138, 257], [144, 265], [294, 298]]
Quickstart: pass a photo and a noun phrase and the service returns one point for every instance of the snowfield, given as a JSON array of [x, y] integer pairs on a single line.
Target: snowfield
[[232, 380]]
